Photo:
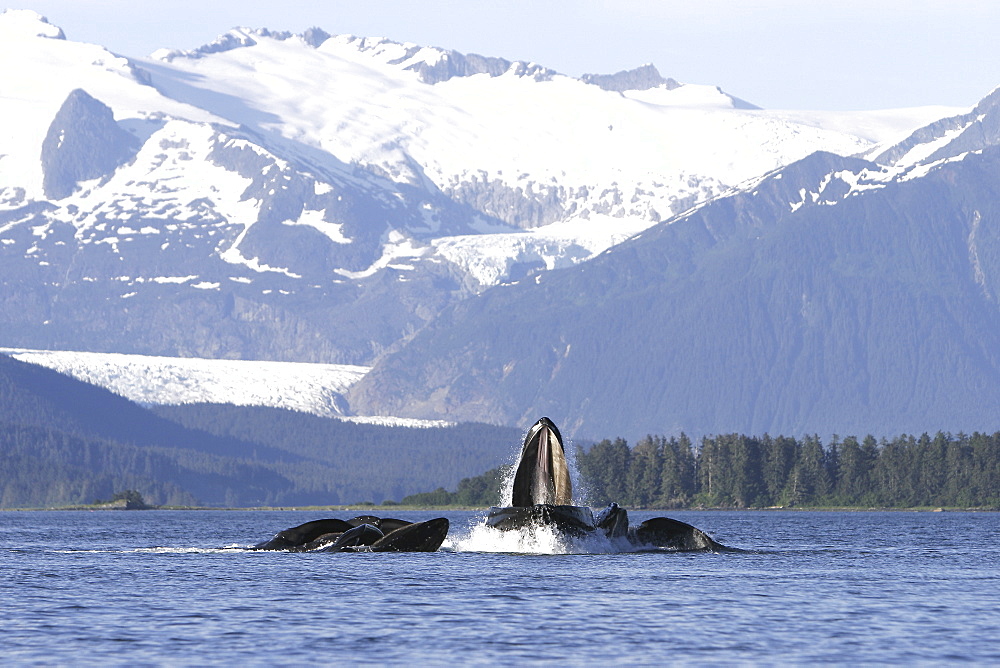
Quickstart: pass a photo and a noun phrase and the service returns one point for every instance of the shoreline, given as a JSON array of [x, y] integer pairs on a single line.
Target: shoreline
[[105, 507]]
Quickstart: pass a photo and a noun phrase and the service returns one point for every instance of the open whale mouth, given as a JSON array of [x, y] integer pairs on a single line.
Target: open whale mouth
[[542, 476]]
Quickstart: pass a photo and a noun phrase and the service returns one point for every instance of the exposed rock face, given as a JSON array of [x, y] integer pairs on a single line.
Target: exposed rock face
[[315, 36], [454, 64], [951, 136], [643, 77], [329, 214], [83, 143]]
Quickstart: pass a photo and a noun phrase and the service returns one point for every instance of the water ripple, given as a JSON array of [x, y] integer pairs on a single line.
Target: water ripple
[[180, 588]]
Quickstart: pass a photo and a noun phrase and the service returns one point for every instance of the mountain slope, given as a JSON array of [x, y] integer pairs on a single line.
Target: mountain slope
[[832, 296], [324, 198]]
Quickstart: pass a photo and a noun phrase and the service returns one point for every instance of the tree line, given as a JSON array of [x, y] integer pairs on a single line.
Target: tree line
[[42, 467], [738, 471], [475, 492]]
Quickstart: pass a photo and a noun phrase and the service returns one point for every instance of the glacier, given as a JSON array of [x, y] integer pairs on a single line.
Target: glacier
[[145, 379]]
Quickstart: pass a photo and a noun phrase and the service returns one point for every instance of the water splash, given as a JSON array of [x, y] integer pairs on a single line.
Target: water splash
[[533, 540], [508, 471], [579, 488], [537, 540]]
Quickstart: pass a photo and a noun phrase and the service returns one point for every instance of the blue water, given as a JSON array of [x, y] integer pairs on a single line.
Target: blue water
[[173, 587]]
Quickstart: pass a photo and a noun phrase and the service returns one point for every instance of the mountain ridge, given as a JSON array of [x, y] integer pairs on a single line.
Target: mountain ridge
[[314, 198], [720, 286], [328, 227]]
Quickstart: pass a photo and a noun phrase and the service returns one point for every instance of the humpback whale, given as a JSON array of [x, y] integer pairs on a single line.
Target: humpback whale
[[543, 496], [365, 533]]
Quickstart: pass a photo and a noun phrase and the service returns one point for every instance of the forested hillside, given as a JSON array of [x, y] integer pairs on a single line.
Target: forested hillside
[[67, 442], [351, 462], [42, 467], [63, 441]]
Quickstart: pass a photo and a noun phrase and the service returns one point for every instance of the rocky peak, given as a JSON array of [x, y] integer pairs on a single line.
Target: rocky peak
[[454, 64], [643, 77], [83, 142]]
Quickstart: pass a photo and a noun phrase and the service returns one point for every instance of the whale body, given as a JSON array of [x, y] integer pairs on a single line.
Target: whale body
[[365, 533], [542, 496]]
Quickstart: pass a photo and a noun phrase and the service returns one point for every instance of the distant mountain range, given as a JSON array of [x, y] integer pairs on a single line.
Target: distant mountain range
[[498, 241], [320, 198]]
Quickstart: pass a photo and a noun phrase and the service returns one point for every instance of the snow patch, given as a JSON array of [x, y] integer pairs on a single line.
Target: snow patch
[[397, 247], [315, 219], [921, 152], [387, 421], [17, 24], [172, 279]]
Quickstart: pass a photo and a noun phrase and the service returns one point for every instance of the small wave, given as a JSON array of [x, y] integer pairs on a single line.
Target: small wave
[[190, 550], [160, 550]]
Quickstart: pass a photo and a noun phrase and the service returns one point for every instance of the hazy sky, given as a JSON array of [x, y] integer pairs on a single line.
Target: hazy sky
[[794, 54]]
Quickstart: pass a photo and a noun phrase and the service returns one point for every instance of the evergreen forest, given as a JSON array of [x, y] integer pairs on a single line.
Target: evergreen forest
[[737, 471]]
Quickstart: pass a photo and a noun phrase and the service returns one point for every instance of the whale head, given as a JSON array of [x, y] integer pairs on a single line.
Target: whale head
[[542, 474]]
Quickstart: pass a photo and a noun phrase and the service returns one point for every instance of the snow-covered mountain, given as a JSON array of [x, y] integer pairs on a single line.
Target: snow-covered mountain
[[838, 294], [321, 197]]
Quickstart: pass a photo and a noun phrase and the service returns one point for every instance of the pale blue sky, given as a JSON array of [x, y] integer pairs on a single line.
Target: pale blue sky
[[794, 54]]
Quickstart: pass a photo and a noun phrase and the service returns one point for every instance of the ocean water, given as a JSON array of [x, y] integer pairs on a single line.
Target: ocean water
[[179, 588]]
